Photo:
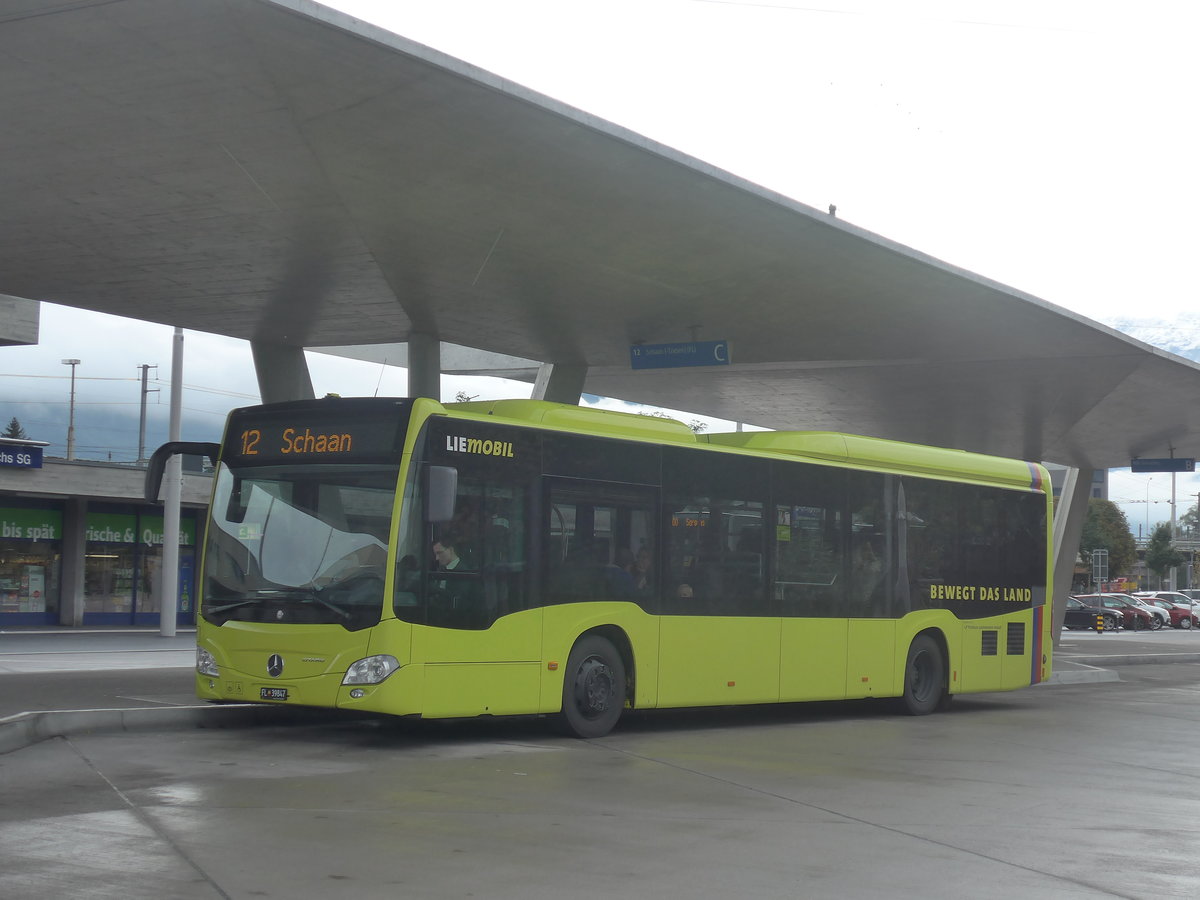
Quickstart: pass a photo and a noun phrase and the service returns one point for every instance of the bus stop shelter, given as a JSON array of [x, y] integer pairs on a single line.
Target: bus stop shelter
[[276, 171]]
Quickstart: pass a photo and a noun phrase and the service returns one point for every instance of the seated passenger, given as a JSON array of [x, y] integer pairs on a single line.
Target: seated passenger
[[619, 578], [643, 572]]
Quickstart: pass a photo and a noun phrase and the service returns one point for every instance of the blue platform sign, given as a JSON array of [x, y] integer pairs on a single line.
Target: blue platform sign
[[21, 457], [1162, 464], [679, 356]]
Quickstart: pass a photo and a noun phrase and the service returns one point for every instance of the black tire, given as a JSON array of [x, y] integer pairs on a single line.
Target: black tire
[[1185, 622], [1110, 623], [924, 677], [593, 688]]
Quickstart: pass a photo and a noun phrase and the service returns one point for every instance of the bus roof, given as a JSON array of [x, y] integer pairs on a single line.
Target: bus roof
[[879, 453], [827, 446]]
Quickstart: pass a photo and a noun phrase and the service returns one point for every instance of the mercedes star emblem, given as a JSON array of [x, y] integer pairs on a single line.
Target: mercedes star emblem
[[275, 665]]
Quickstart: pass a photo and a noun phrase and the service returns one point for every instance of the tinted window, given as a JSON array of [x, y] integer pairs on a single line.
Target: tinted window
[[716, 541], [473, 569], [975, 550], [809, 537], [601, 460], [870, 557], [598, 543]]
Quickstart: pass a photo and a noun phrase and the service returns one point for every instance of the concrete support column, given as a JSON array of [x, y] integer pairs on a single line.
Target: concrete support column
[[282, 372], [560, 383], [1069, 515], [74, 548], [424, 366]]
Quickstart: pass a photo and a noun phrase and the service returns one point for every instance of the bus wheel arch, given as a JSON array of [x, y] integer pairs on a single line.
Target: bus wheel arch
[[597, 682], [926, 669]]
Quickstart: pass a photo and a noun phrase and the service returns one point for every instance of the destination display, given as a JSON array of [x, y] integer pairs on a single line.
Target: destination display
[[353, 430]]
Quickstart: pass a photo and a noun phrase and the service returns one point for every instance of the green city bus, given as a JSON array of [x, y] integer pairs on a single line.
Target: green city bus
[[520, 557]]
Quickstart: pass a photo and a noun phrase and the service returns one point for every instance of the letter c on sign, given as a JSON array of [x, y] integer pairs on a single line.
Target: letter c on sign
[[720, 352]]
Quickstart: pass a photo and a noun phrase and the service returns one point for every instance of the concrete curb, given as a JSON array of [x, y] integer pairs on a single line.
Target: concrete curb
[[25, 729]]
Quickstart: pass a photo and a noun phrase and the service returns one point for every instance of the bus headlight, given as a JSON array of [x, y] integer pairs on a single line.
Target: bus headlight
[[205, 664], [371, 670]]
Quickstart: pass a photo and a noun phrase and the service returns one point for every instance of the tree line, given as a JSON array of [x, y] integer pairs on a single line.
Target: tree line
[[1107, 528]]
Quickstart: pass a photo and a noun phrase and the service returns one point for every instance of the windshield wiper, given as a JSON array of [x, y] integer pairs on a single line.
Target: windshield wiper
[[330, 606], [225, 607], [290, 594]]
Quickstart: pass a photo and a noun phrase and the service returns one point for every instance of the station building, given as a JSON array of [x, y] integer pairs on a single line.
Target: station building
[[79, 546]]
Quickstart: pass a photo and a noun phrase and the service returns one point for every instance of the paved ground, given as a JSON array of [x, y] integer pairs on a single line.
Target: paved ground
[[112, 669], [1084, 789]]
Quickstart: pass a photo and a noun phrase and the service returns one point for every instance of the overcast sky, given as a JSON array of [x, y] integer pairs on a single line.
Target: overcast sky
[[1047, 144]]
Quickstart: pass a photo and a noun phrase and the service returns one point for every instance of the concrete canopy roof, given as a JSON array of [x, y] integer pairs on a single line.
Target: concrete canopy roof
[[276, 171]]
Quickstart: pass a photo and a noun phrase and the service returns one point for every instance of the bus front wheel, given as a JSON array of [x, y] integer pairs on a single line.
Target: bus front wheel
[[593, 688], [924, 677]]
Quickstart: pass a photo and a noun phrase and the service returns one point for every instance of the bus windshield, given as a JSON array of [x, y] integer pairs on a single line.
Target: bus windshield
[[299, 544]]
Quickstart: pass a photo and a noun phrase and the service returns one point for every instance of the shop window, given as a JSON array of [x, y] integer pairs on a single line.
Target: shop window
[[30, 555]]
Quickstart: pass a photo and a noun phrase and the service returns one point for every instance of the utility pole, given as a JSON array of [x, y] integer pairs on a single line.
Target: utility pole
[[174, 481], [71, 421], [141, 457]]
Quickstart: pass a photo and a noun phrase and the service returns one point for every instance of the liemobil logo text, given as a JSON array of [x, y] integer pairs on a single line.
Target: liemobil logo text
[[460, 444]]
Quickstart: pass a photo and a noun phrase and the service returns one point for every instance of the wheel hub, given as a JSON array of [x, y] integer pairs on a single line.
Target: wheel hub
[[594, 688]]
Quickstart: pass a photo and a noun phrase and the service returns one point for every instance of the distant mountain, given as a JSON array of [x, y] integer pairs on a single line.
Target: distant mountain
[[1180, 335], [106, 433]]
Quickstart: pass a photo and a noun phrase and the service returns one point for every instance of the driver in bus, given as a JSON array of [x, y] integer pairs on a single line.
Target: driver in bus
[[446, 555], [459, 597]]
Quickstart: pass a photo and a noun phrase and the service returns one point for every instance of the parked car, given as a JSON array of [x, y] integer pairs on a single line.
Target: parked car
[[1158, 616], [1136, 618], [1161, 616], [1170, 596], [1190, 593], [1082, 616], [1177, 599], [1181, 616]]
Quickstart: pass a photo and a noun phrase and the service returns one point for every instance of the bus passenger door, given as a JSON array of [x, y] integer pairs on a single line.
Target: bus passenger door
[[809, 535], [480, 641], [719, 637]]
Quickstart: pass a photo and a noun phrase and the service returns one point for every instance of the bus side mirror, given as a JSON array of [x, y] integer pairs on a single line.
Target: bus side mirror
[[441, 490], [158, 462]]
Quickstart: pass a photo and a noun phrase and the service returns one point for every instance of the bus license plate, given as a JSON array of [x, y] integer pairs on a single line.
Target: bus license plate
[[273, 693]]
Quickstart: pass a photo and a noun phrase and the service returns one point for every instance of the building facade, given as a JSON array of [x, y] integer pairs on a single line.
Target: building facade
[[79, 546]]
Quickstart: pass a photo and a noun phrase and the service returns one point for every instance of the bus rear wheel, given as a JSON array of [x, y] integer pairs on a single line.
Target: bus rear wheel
[[593, 688], [924, 677]]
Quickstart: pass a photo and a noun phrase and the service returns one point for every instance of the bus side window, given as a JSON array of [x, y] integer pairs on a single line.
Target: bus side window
[[871, 565], [486, 577], [598, 544], [716, 554], [809, 540]]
